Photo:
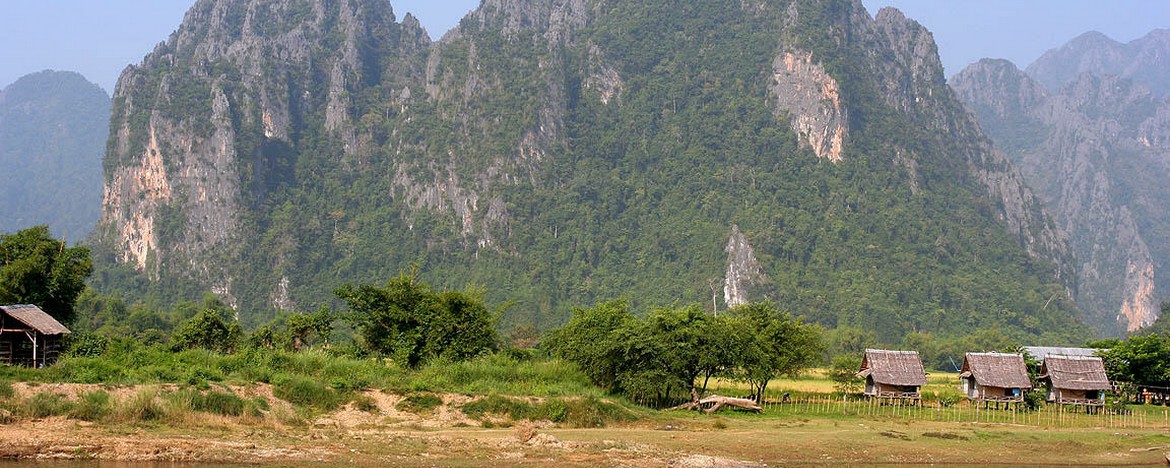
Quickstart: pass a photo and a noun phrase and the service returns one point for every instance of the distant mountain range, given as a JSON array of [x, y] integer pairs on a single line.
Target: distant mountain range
[[53, 130], [1089, 126], [1143, 60]]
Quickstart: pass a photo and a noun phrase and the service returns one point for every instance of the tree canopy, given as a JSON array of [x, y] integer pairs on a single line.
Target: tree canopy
[[37, 269], [411, 323], [661, 357], [211, 328]]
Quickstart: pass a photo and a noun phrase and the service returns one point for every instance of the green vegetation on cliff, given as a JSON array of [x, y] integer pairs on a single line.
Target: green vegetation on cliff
[[605, 154]]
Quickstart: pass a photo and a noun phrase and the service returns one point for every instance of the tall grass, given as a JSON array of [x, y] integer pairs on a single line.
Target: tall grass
[[312, 381], [307, 392], [93, 406], [502, 374], [575, 412]]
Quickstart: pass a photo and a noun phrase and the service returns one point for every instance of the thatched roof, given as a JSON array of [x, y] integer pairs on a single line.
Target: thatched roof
[[1075, 372], [31, 316], [903, 368], [997, 370]]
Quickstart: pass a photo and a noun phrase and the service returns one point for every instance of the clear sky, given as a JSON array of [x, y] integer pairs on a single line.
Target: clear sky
[[99, 38]]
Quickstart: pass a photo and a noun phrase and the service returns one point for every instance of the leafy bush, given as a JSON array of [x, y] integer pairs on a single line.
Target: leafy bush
[[410, 322], [1033, 400], [208, 329], [844, 374], [419, 403], [85, 344], [86, 370]]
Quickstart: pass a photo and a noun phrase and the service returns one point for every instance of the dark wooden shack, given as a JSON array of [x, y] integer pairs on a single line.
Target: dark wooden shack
[[994, 378], [1075, 380], [893, 374], [29, 336]]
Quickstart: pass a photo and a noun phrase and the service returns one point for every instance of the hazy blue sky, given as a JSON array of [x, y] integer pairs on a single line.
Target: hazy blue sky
[[99, 38]]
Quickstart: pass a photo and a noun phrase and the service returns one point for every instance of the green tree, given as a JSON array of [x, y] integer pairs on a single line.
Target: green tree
[[843, 373], [301, 327], [776, 345], [590, 341], [663, 354], [1141, 360], [37, 269], [411, 323], [722, 345], [211, 328]]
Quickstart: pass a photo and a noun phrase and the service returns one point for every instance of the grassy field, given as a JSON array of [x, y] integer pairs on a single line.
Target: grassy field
[[314, 409]]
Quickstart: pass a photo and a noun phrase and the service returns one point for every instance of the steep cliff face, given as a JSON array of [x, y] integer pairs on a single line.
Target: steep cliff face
[[52, 134], [743, 270], [203, 131], [566, 151], [812, 100], [1088, 151]]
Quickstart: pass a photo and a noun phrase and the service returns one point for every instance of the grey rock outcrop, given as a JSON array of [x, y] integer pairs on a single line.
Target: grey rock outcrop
[[1092, 153]]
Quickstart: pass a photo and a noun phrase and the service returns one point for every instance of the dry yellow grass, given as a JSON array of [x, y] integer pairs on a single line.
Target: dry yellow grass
[[816, 381]]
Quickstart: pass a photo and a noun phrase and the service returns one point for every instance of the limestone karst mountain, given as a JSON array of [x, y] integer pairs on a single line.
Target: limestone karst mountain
[[1097, 151], [558, 152], [52, 138]]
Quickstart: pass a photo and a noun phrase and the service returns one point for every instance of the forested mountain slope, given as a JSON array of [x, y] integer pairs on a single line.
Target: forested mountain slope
[[558, 152], [52, 138]]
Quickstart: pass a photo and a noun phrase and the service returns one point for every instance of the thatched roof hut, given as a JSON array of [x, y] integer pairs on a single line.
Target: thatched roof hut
[[994, 377], [1075, 379], [892, 374], [29, 336]]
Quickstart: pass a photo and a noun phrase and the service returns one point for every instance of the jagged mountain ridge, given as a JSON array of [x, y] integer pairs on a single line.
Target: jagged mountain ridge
[[1143, 60], [1095, 151], [546, 152], [52, 137]]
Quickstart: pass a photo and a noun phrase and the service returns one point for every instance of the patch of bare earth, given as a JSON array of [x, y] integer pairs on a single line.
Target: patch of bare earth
[[62, 438]]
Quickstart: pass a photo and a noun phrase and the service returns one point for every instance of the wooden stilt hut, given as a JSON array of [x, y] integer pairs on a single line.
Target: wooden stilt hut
[[29, 336], [994, 378], [1075, 380], [896, 375]]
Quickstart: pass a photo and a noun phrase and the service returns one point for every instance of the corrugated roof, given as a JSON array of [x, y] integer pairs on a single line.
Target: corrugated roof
[[1076, 372], [32, 316], [903, 368], [997, 370], [1041, 352]]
